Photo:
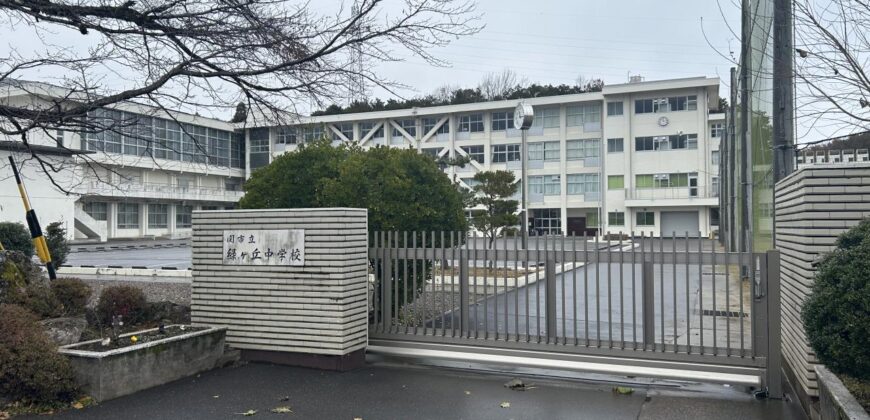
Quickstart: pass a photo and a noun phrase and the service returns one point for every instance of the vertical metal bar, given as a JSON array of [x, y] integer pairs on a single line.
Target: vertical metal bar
[[609, 295], [758, 315], [516, 289], [662, 286], [538, 283], [621, 293], [561, 259], [688, 301], [505, 290], [586, 259], [379, 275], [551, 313], [405, 275], [574, 283], [388, 282], [423, 275], [713, 283], [442, 293], [647, 278], [674, 268], [486, 266], [528, 291], [464, 329], [597, 292], [396, 282], [740, 294], [430, 302], [414, 279], [454, 276], [701, 293], [774, 318], [634, 290], [472, 268], [728, 304]]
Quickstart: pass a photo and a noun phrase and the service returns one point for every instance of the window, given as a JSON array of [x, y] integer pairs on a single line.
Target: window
[[592, 219], [505, 153], [662, 143], [183, 216], [672, 180], [646, 218], [616, 218], [714, 186], [615, 182], [99, 211], [158, 216], [312, 133], [346, 130], [410, 126], [549, 117], [167, 139], [237, 149], [233, 184], [614, 109], [475, 153], [582, 183], [581, 149], [714, 216], [366, 127], [716, 130], [614, 146], [545, 184], [260, 140], [547, 221], [58, 138], [471, 123], [501, 121], [128, 216], [579, 115], [548, 150], [471, 182], [429, 124], [715, 157], [673, 103]]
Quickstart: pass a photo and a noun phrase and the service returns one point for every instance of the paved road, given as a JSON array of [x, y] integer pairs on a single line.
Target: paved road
[[379, 392]]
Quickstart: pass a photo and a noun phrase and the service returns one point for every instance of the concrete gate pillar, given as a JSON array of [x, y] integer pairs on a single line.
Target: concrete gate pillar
[[290, 285]]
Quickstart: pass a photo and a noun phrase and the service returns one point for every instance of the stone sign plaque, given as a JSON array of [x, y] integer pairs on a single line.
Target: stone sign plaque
[[264, 247]]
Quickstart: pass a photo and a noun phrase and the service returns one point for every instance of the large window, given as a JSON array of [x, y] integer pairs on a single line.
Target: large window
[[615, 182], [714, 186], [616, 218], [545, 184], [614, 109], [346, 130], [97, 210], [502, 120], [286, 135], [716, 130], [506, 153], [715, 157], [614, 146], [429, 124], [672, 103], [410, 126], [471, 123], [548, 150], [578, 115], [662, 143], [714, 216], [548, 117], [128, 216], [158, 216], [183, 216], [366, 127], [547, 221], [581, 149], [475, 153], [646, 218], [672, 180], [582, 183]]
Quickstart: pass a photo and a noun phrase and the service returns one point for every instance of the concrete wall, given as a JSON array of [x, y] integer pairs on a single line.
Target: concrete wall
[[319, 308], [813, 206]]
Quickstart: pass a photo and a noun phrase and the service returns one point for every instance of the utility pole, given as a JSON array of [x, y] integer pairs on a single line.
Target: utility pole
[[731, 172], [783, 89], [745, 115]]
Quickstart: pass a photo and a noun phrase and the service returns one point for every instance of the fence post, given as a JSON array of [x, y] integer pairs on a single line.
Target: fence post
[[550, 274], [649, 313], [386, 289], [773, 372], [463, 293]]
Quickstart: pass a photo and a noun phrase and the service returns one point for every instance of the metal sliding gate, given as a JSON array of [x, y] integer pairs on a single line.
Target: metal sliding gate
[[667, 303]]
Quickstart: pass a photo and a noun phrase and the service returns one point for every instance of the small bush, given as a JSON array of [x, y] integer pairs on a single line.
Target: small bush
[[31, 370], [127, 301], [836, 315], [41, 301], [16, 237], [58, 247], [73, 295]]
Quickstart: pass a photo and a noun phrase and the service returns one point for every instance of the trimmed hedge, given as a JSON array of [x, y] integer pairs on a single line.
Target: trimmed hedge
[[127, 301], [836, 315], [31, 369]]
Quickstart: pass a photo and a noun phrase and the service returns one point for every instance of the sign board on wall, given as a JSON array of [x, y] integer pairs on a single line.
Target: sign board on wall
[[264, 247]]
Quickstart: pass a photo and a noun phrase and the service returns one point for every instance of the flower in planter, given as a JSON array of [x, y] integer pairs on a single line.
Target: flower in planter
[[134, 339]]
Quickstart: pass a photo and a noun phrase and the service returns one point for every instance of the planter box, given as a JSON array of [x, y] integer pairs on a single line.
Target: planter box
[[114, 373], [835, 401]]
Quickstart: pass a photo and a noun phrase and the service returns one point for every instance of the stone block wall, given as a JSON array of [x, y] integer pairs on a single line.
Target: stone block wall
[[813, 206], [318, 309]]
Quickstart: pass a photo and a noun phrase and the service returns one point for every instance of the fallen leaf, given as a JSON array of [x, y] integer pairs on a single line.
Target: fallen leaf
[[505, 404], [467, 392], [4, 415], [78, 406], [281, 410], [215, 396], [248, 413], [359, 418], [624, 390]]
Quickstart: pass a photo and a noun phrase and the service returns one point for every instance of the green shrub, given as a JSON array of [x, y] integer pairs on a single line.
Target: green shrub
[[836, 315], [16, 237], [73, 295], [40, 300], [31, 370], [58, 247], [127, 301]]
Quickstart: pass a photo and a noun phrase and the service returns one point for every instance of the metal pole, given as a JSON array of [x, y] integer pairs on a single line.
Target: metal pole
[[732, 159], [783, 94], [525, 213], [745, 132]]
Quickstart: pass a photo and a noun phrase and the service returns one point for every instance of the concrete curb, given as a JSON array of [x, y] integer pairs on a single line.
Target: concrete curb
[[836, 402], [123, 271]]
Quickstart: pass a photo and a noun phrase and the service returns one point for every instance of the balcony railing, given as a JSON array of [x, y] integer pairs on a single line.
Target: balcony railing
[[671, 193], [158, 191]]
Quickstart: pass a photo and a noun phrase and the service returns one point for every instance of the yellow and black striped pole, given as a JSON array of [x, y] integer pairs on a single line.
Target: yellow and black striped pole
[[33, 224]]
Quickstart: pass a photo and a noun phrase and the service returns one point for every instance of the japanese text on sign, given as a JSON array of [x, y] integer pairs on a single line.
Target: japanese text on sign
[[264, 247]]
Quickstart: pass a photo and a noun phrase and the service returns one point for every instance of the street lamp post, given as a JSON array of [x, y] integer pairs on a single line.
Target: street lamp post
[[524, 114]]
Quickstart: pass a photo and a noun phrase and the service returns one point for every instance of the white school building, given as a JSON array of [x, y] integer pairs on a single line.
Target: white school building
[[636, 157]]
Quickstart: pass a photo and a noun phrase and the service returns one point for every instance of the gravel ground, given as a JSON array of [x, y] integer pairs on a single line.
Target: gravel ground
[[155, 291]]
